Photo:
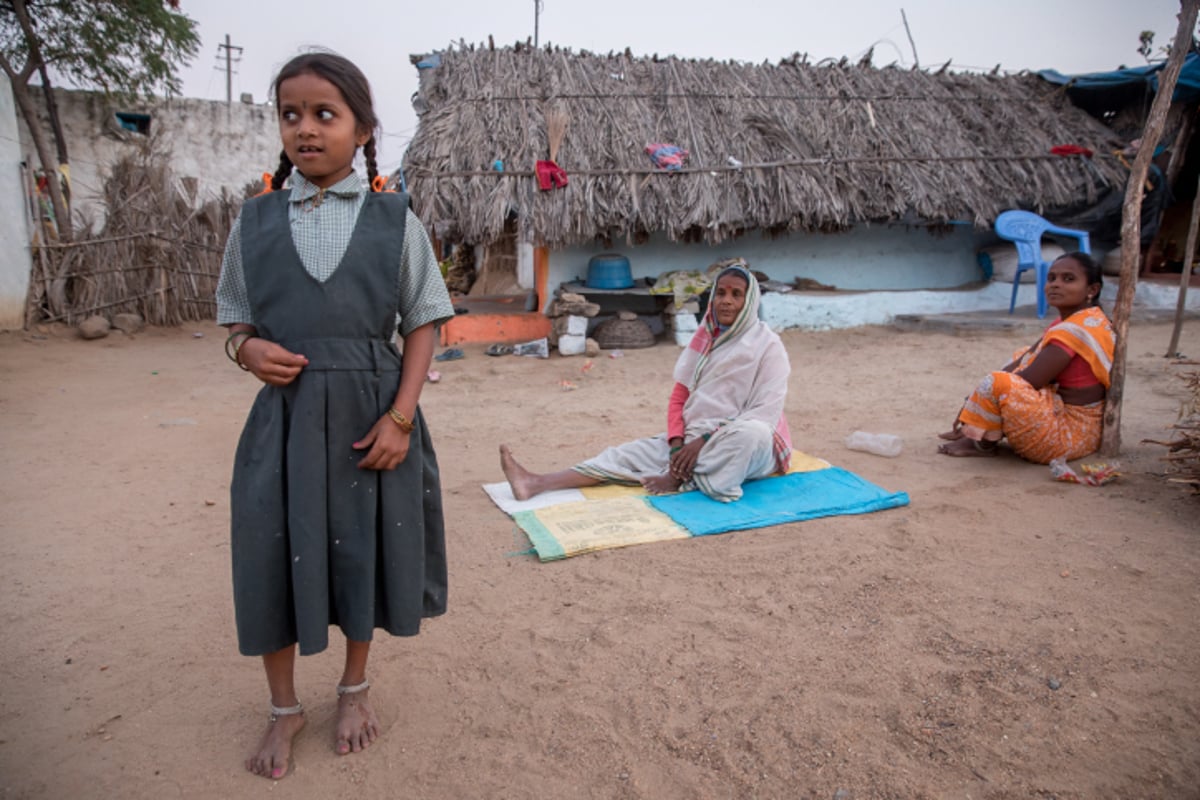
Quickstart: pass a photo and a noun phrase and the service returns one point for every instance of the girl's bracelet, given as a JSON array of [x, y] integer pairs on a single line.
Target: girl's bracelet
[[234, 355], [401, 420]]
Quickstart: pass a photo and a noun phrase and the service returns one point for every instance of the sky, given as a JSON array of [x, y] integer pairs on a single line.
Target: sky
[[1071, 36]]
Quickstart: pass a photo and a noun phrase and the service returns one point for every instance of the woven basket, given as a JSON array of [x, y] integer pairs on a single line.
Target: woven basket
[[623, 334]]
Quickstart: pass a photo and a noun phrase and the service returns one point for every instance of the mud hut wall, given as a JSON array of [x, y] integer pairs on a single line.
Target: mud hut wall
[[221, 146], [15, 261]]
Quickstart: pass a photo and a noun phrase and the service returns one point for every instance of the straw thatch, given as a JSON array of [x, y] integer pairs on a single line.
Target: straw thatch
[[1183, 457], [158, 254], [772, 147]]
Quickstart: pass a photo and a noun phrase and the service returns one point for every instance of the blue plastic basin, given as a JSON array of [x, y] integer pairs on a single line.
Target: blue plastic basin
[[609, 271]]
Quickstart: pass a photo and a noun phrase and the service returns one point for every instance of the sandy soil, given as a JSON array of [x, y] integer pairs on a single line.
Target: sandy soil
[[903, 654]]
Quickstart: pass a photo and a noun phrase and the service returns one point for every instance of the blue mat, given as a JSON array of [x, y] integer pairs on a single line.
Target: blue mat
[[774, 501]]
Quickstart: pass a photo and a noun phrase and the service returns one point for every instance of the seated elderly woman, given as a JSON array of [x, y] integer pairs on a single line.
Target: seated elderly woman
[[1049, 401], [725, 422]]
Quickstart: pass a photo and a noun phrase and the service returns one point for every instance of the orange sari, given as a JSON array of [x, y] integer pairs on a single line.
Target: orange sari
[[1039, 426]]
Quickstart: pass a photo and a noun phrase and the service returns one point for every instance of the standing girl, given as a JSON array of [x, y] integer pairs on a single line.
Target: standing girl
[[336, 503]]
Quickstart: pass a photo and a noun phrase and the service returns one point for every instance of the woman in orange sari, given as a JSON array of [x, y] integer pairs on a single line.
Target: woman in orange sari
[[1049, 402]]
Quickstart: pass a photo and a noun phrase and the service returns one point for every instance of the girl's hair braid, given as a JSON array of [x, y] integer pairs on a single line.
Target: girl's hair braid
[[350, 81], [282, 173], [369, 157]]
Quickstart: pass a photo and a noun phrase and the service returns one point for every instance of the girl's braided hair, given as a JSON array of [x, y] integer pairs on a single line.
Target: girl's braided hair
[[354, 87]]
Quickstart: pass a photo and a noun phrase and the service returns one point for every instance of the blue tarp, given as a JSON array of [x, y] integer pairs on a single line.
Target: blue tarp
[[1127, 83]]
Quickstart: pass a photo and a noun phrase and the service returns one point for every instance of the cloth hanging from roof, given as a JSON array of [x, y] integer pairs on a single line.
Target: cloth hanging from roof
[[550, 175], [666, 156]]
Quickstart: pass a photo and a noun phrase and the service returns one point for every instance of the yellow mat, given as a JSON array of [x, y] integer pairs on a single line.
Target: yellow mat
[[612, 516]]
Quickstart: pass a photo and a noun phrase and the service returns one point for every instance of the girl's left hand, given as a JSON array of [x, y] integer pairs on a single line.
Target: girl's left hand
[[386, 445]]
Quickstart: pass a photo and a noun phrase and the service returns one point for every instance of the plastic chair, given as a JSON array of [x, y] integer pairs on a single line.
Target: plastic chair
[[1025, 229]]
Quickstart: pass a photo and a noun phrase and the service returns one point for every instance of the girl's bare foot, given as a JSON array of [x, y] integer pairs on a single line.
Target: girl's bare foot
[[661, 484], [275, 749], [520, 479], [357, 725]]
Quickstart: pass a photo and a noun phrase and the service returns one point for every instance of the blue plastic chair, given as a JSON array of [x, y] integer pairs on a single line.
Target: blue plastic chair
[[1025, 229]]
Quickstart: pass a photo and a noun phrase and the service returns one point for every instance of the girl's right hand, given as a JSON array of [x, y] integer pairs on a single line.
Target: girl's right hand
[[270, 362]]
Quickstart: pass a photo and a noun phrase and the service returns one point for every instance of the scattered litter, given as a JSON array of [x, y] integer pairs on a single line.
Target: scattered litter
[[538, 348], [197, 335], [453, 354], [1096, 473], [616, 354], [210, 502], [568, 386], [433, 376], [587, 366], [499, 350]]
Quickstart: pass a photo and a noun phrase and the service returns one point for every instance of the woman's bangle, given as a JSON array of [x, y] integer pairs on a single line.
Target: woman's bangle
[[401, 420], [676, 449], [234, 355]]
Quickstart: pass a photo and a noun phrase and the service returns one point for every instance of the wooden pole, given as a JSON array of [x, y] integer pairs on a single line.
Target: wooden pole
[[1189, 253], [1131, 222]]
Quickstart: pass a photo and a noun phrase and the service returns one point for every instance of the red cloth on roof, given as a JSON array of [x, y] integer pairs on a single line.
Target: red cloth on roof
[[550, 175], [1071, 150]]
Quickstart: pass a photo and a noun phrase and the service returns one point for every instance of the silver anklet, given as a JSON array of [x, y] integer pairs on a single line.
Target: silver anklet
[[286, 711], [341, 690]]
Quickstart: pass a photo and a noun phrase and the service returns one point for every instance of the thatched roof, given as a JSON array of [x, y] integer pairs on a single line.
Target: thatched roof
[[820, 147]]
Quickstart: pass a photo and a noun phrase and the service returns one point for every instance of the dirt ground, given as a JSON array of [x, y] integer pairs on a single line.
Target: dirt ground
[[910, 653]]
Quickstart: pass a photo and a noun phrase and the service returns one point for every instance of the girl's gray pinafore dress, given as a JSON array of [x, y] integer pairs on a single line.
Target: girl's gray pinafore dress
[[317, 541]]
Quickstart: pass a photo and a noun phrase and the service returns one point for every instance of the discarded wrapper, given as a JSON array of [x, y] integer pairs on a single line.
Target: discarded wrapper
[[538, 348], [1095, 473]]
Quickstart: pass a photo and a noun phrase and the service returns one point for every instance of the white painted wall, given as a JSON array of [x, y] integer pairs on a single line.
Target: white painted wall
[[883, 271], [866, 258], [817, 311], [15, 264], [221, 146]]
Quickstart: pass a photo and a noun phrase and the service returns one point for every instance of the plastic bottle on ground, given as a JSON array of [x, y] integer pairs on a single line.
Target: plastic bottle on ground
[[881, 444]]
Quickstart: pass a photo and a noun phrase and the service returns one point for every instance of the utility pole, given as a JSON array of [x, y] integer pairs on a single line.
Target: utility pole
[[537, 9], [229, 48]]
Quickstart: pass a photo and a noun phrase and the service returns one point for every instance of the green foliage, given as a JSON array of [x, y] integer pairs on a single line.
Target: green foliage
[[121, 46], [1146, 44]]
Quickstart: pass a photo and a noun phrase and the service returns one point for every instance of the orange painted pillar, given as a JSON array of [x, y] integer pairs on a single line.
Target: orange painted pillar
[[541, 276]]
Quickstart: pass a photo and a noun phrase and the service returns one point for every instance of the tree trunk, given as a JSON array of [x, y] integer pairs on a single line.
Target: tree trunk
[[60, 141], [20, 90], [61, 213], [1131, 222]]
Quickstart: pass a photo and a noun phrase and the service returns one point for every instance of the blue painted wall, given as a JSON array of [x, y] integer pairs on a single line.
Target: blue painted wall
[[877, 257]]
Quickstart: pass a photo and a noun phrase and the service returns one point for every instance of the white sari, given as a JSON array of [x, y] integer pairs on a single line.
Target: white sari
[[737, 385]]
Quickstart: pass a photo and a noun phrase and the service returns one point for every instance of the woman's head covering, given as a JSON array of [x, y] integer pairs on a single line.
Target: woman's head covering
[[750, 312], [710, 334]]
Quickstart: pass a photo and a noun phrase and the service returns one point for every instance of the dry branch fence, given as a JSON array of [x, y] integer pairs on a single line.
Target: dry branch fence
[[158, 253]]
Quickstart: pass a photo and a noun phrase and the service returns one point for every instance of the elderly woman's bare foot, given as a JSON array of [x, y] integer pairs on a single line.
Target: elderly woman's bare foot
[[520, 479], [357, 725], [662, 484], [270, 760]]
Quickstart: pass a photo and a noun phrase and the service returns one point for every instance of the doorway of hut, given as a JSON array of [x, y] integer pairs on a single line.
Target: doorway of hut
[[1163, 258], [485, 283]]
